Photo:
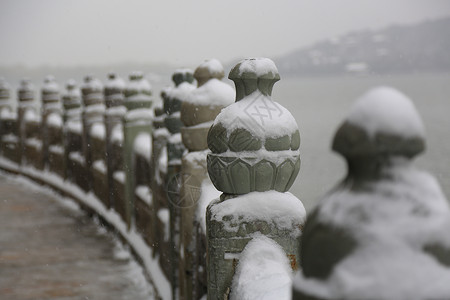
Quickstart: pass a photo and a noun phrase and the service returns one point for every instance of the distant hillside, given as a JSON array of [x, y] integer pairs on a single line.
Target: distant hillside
[[424, 47]]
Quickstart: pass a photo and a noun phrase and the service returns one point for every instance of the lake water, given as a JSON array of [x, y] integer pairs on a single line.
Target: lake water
[[319, 105]]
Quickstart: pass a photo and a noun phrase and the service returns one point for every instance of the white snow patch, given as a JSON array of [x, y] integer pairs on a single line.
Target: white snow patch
[[56, 149], [100, 166], [119, 176], [143, 145], [386, 110], [258, 114], [400, 217], [175, 138], [34, 142], [74, 126], [261, 66], [164, 217], [263, 272], [54, 120], [140, 113], [161, 132], [118, 111], [98, 131], [117, 134], [182, 91], [283, 210], [213, 92], [144, 193], [77, 156], [207, 194]]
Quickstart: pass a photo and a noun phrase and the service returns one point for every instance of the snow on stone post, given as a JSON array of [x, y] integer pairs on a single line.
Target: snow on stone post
[[5, 90], [115, 110], [197, 114], [30, 145], [382, 233], [137, 129], [254, 161], [72, 127], [8, 121], [51, 124], [183, 79], [161, 213], [93, 110]]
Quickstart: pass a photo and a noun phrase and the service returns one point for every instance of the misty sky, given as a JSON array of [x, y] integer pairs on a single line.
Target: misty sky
[[63, 32]]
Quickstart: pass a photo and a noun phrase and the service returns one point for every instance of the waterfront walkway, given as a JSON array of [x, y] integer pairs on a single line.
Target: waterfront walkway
[[49, 249]]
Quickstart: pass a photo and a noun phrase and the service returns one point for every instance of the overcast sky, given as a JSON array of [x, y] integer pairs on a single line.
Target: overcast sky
[[63, 32]]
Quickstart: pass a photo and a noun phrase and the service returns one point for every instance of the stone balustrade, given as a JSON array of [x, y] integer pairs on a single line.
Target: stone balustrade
[[198, 187]]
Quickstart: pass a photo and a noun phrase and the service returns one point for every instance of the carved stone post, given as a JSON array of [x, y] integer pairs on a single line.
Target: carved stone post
[[383, 232], [8, 125], [114, 113], [30, 146], [160, 137], [175, 149], [51, 123], [4, 95], [72, 126], [137, 121], [254, 161], [197, 114], [93, 111]]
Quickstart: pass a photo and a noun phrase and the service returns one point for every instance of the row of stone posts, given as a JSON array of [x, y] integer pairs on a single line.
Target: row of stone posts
[[204, 181]]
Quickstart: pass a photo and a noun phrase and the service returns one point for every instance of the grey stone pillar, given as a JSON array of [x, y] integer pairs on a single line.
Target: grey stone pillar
[[382, 233], [51, 117], [197, 114], [114, 113], [72, 126], [27, 118], [254, 161], [8, 122], [137, 120], [93, 111], [175, 149], [5, 90]]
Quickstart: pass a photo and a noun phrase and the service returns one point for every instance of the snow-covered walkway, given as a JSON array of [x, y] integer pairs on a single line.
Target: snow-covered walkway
[[50, 249]]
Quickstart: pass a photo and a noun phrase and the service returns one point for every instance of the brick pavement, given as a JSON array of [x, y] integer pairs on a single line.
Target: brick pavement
[[51, 251]]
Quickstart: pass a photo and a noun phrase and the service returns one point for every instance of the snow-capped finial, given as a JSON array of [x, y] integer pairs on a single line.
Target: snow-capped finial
[[138, 92], [182, 75], [72, 96], [257, 126], [253, 74], [383, 232], [92, 90], [210, 68], [382, 122], [50, 90], [4, 89], [25, 90], [113, 90]]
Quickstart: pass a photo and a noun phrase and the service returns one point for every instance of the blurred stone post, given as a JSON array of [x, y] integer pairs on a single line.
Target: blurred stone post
[[160, 136], [183, 79], [197, 114], [93, 111], [8, 123], [4, 95], [137, 121], [72, 126], [254, 161], [114, 113], [30, 146], [382, 233], [51, 122]]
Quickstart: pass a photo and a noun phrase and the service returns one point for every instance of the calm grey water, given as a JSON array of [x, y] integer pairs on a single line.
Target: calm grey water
[[319, 105]]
